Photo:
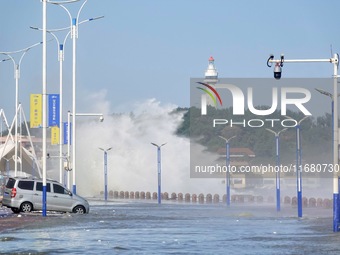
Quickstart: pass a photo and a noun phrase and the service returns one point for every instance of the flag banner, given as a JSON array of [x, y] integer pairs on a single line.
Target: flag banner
[[35, 110], [54, 135], [66, 132], [53, 110]]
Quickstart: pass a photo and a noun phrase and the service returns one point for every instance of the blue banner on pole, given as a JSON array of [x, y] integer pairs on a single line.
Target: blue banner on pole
[[53, 110], [66, 131]]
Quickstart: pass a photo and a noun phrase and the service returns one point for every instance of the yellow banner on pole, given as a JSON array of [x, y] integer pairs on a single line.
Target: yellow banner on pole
[[35, 110], [55, 135]]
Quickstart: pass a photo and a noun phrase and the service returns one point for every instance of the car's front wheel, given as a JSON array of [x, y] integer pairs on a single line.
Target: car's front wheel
[[26, 207], [79, 209]]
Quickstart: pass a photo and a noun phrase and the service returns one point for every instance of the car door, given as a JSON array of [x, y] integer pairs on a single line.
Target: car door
[[62, 198], [37, 196]]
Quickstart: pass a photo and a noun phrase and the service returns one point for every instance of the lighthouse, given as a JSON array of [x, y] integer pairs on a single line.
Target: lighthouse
[[211, 74]]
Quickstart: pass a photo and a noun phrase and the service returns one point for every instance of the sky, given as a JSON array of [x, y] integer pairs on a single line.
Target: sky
[[150, 49]]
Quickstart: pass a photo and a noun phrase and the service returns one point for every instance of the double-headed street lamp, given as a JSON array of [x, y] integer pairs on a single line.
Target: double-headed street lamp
[[17, 66], [105, 170], [335, 62], [298, 166], [61, 47], [44, 97], [277, 180], [74, 35], [227, 177], [159, 196]]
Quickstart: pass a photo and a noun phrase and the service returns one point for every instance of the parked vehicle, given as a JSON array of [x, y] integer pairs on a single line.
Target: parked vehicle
[[25, 195]]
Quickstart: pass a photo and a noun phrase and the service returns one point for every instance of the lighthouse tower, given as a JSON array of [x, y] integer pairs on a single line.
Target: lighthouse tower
[[211, 74]]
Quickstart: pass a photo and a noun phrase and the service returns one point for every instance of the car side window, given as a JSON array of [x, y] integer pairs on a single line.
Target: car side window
[[39, 187], [59, 189], [26, 185]]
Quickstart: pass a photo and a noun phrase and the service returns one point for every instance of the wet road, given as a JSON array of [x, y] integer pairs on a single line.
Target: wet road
[[173, 228]]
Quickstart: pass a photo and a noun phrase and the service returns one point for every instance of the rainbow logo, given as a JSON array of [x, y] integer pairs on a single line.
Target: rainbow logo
[[210, 92]]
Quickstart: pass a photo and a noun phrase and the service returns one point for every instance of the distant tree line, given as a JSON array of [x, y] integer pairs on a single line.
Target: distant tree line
[[316, 134]]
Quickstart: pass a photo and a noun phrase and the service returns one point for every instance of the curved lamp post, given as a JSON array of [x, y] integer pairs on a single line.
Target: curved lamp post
[[17, 66], [74, 35], [44, 96], [105, 170], [277, 149], [299, 164], [159, 197], [227, 155]]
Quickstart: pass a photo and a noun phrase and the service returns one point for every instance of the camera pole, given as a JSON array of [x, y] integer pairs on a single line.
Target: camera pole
[[335, 61]]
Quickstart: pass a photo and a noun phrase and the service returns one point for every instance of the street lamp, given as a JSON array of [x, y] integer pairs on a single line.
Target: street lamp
[[74, 35], [105, 170], [277, 144], [326, 93], [16, 66], [159, 170], [227, 180], [299, 164], [69, 114], [44, 96], [335, 61], [61, 47]]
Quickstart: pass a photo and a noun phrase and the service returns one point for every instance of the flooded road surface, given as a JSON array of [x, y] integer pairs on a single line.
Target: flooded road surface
[[173, 228]]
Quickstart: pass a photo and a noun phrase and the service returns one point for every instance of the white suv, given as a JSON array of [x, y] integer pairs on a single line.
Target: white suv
[[25, 194]]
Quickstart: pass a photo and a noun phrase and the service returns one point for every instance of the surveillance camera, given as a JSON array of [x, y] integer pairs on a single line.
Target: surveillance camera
[[277, 71], [101, 119]]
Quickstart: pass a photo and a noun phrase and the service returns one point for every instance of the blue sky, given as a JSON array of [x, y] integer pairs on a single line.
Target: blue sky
[[151, 49]]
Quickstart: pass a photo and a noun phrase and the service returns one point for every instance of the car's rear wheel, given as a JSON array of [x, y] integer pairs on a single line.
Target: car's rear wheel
[[26, 207], [79, 209], [15, 210]]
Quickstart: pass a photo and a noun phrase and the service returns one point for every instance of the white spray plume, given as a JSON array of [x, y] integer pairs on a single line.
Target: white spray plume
[[132, 161]]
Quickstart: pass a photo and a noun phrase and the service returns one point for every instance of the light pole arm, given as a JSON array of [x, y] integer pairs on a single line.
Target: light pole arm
[[329, 60]]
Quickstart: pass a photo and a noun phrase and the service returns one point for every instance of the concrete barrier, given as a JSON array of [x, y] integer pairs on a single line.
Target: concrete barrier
[[216, 199], [287, 200], [201, 198], [187, 197], [115, 194], [173, 196], [166, 196], [319, 202], [180, 197], [304, 202], [312, 202], [327, 203], [294, 201], [148, 195], [209, 199], [121, 194], [194, 198]]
